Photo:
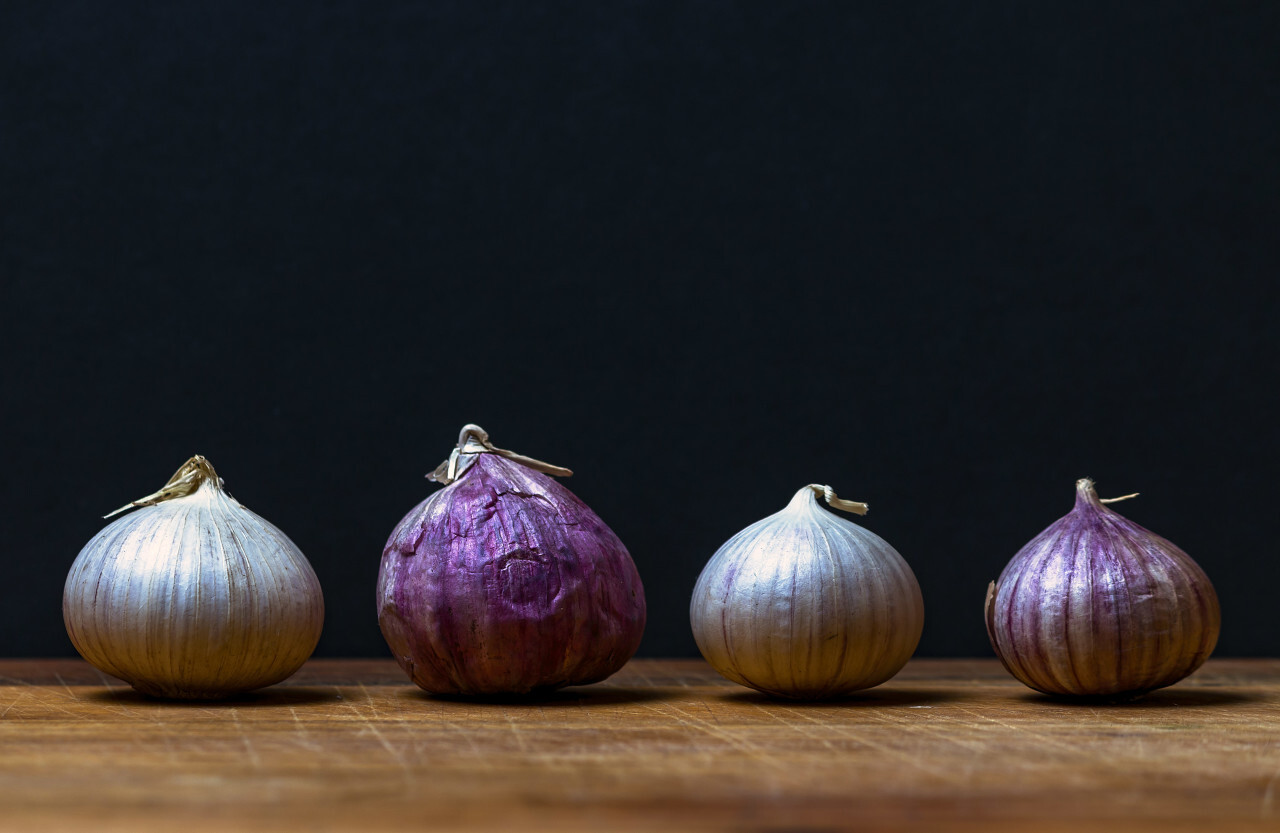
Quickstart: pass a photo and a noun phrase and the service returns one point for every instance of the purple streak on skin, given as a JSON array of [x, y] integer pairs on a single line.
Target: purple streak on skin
[[1153, 614], [504, 583]]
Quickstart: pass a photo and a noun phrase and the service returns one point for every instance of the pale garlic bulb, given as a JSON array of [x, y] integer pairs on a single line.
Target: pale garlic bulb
[[807, 605], [193, 596]]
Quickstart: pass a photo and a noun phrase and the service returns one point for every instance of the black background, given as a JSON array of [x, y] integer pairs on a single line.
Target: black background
[[947, 258]]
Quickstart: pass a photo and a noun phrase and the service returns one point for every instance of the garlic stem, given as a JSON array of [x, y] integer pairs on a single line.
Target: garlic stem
[[829, 495], [1084, 487], [185, 481], [475, 440]]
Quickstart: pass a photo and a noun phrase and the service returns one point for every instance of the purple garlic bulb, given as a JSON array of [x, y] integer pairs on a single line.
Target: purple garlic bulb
[[1098, 606], [504, 582]]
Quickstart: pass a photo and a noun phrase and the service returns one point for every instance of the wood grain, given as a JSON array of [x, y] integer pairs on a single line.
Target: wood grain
[[953, 745]]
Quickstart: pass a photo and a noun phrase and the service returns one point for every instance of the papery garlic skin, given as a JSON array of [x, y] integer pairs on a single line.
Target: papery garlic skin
[[194, 596], [805, 604], [1098, 606]]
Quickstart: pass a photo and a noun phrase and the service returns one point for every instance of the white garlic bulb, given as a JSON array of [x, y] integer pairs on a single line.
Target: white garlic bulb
[[805, 604], [193, 595]]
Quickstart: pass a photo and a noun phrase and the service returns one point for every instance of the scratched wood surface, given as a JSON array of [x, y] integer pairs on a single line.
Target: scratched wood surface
[[663, 745]]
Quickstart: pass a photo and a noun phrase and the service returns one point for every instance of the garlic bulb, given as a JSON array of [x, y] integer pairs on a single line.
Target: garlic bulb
[[504, 582], [193, 595], [805, 604], [1097, 606]]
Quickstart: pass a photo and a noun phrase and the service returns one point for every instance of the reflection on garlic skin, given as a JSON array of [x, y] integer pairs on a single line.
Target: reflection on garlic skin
[[192, 595], [805, 604]]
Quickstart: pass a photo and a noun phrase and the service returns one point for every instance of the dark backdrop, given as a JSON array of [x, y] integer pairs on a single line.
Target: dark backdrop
[[947, 258]]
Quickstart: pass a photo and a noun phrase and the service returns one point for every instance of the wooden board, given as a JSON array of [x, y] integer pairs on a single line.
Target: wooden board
[[663, 745]]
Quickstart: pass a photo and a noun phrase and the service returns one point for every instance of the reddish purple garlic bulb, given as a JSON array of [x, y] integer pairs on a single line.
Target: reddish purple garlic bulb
[[504, 582], [1097, 606]]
